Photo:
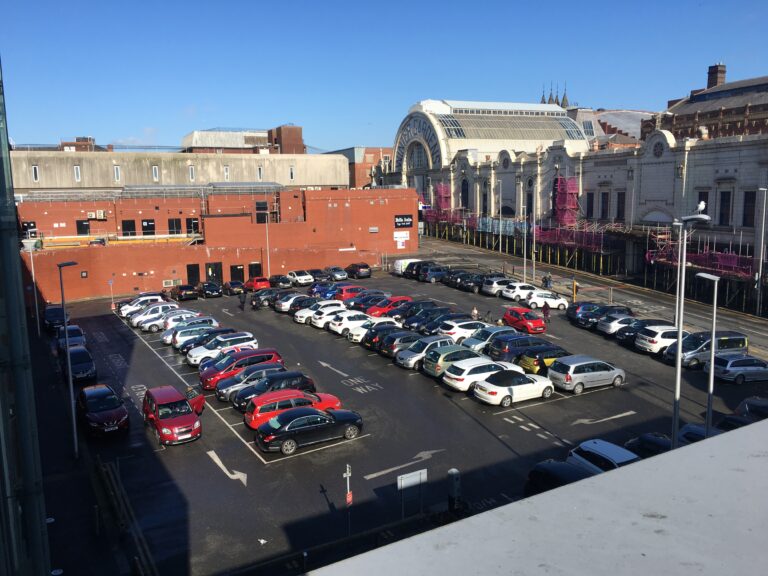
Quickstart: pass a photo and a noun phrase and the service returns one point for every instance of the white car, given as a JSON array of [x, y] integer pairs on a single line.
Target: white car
[[284, 304], [517, 291], [459, 330], [176, 319], [300, 277], [656, 339], [464, 374], [537, 298], [599, 456], [221, 343], [304, 315], [157, 324], [323, 316], [358, 333], [191, 323], [344, 321], [612, 323], [506, 387], [139, 303], [152, 312]]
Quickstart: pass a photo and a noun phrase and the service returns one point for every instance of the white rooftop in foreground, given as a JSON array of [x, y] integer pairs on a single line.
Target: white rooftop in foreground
[[699, 510]]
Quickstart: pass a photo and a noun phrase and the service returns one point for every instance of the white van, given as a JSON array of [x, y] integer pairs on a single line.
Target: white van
[[398, 266]]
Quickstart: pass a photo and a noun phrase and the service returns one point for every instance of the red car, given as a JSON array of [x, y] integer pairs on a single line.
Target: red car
[[347, 292], [101, 411], [261, 408], [257, 283], [389, 304], [232, 364], [170, 415], [524, 320]]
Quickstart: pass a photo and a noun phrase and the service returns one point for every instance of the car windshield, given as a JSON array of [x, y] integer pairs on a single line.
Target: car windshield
[[455, 370], [418, 346], [287, 297], [694, 341], [72, 331], [212, 344], [103, 403], [173, 409], [223, 363], [507, 378], [315, 306], [301, 273], [482, 334], [79, 356], [530, 316]]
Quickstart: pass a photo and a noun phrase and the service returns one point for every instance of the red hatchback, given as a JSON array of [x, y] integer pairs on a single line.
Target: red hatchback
[[234, 363], [170, 415], [256, 283], [347, 292], [261, 408], [389, 304], [524, 320]]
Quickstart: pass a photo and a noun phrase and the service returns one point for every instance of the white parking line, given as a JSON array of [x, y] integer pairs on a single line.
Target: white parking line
[[222, 409], [542, 436], [318, 449], [518, 419], [525, 428], [571, 397], [553, 337], [532, 425], [560, 444]]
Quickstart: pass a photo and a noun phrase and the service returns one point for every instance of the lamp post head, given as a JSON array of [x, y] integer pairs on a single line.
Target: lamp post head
[[706, 276], [65, 264], [695, 218]]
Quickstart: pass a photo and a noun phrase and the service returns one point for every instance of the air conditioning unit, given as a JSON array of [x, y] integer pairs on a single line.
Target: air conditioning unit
[[101, 215], [91, 215]]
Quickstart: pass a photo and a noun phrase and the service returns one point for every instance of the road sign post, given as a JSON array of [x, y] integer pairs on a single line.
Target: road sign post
[[347, 475]]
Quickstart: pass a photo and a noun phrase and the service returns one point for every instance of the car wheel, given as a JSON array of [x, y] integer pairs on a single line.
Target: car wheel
[[307, 320], [460, 340], [547, 392], [475, 289], [561, 307], [418, 366], [694, 364], [154, 328], [351, 432], [345, 332], [533, 305], [157, 438], [471, 389], [432, 280], [739, 379], [660, 353], [618, 382], [288, 447], [506, 402], [516, 298], [579, 388]]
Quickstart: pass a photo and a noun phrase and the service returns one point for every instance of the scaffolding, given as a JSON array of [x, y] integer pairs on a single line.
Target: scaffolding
[[566, 201]]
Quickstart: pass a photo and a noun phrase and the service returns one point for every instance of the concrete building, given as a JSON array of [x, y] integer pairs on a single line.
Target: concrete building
[[285, 139], [368, 166]]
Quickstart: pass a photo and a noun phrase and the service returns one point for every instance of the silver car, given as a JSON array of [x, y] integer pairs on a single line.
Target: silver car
[[739, 368], [575, 373], [480, 339], [413, 356], [612, 323]]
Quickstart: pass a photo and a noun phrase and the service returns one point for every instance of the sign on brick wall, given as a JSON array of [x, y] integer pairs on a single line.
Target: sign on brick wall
[[403, 220]]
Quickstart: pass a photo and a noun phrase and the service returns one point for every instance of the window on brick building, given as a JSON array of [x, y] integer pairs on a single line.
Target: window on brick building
[[128, 227], [748, 220], [174, 225], [260, 173], [191, 173], [193, 226], [226, 173], [148, 227], [292, 173]]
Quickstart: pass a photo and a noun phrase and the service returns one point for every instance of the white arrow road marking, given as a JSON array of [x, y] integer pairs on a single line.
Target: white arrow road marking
[[590, 421], [261, 541], [326, 365], [420, 457], [234, 475], [227, 312]]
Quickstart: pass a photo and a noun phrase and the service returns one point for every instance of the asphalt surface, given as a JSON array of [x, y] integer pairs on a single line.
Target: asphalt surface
[[202, 517]]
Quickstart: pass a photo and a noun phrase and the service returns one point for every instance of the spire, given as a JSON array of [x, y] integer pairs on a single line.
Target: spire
[[550, 100], [543, 100], [557, 95], [564, 102]]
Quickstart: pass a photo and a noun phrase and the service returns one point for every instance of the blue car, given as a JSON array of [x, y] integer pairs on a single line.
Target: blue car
[[509, 347], [330, 293], [432, 274]]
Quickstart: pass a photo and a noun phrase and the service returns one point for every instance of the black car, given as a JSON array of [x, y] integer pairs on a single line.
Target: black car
[[83, 366], [293, 380], [376, 333], [53, 317], [411, 308], [209, 290], [368, 293], [301, 303], [551, 474], [414, 273], [101, 411], [319, 275], [259, 298], [184, 292], [626, 334], [365, 302], [755, 408], [304, 426], [509, 347], [204, 338], [576, 309], [359, 270], [474, 282], [424, 316], [450, 277], [649, 444], [233, 287], [430, 328], [589, 320], [280, 281], [398, 340]]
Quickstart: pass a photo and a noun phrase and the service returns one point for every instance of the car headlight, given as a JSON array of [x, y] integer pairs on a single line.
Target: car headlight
[[197, 425], [124, 418], [166, 430]]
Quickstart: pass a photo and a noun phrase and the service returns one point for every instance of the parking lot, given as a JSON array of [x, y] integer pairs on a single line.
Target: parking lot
[[220, 503]]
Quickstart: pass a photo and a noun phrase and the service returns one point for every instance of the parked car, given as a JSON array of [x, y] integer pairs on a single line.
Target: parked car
[[330, 292], [589, 319], [300, 427], [452, 277], [465, 374], [517, 291], [425, 316], [344, 321], [152, 312], [460, 329], [211, 348], [284, 303], [358, 333], [260, 298], [538, 359], [318, 288], [577, 372], [183, 292], [302, 303], [233, 287], [755, 408], [398, 266], [538, 298], [53, 317], [396, 341], [610, 324], [390, 303], [362, 303], [410, 308], [626, 335], [139, 303], [81, 361], [336, 273], [358, 270], [344, 293], [304, 316], [275, 297], [170, 416], [438, 360], [505, 387], [209, 290], [551, 474], [233, 364], [649, 444], [576, 309], [367, 293], [255, 283], [600, 456], [300, 277], [226, 388], [656, 339], [509, 347], [157, 324], [100, 411], [203, 339], [738, 368], [177, 321], [373, 337], [182, 334], [692, 433], [262, 409], [74, 335], [695, 347], [319, 275], [293, 380], [495, 286], [524, 320], [472, 282], [413, 356], [280, 281], [322, 317], [480, 339], [432, 274], [413, 269]]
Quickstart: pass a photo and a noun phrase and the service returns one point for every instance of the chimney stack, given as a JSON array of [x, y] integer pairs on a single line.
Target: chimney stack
[[716, 75]]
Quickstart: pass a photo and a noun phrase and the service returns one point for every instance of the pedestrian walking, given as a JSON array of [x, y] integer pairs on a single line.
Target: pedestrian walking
[[475, 313], [487, 317], [242, 300], [545, 312]]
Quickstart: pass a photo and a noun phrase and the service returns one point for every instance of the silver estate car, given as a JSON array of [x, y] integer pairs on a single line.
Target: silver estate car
[[575, 373], [739, 368], [413, 356]]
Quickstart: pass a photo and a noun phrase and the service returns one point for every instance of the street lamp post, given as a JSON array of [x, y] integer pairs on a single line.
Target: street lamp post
[[686, 221], [69, 361], [679, 225], [712, 341]]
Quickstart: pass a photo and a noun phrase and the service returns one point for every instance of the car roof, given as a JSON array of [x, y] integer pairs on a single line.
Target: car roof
[[575, 359], [616, 453], [472, 362], [660, 327], [719, 333], [253, 352], [98, 390], [518, 309], [286, 374], [166, 393], [275, 395], [435, 338], [731, 356], [448, 349]]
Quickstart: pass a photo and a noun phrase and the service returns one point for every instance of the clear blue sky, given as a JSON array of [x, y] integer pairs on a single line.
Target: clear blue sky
[[347, 72]]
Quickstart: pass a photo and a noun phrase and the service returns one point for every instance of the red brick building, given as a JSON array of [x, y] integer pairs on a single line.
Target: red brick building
[[367, 165]]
